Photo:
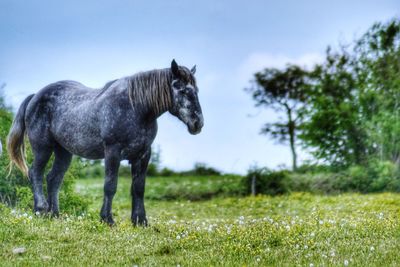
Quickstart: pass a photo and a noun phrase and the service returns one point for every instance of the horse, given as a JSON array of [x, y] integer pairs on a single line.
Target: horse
[[117, 122]]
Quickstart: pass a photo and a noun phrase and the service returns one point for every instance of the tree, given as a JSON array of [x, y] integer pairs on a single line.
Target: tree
[[285, 92], [334, 129], [378, 71], [354, 111]]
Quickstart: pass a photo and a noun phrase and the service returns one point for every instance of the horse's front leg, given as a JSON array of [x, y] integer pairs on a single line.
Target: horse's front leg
[[112, 160], [138, 170]]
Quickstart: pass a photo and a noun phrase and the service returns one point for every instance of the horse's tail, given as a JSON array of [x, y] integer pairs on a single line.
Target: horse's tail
[[15, 139]]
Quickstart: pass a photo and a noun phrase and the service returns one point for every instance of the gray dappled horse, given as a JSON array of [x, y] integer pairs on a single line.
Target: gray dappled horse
[[117, 122]]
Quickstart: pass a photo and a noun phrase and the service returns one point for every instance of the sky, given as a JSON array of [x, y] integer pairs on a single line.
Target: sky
[[95, 41]]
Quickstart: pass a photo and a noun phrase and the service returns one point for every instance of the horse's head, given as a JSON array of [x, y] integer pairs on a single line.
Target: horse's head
[[185, 102]]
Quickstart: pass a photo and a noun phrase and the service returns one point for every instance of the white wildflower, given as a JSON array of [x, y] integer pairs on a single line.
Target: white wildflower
[[19, 250]]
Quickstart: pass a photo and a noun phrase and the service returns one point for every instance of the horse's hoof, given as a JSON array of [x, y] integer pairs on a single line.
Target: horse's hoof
[[108, 220], [41, 208], [139, 221], [54, 214]]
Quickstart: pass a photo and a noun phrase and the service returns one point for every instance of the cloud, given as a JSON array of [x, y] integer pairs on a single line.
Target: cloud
[[260, 60]]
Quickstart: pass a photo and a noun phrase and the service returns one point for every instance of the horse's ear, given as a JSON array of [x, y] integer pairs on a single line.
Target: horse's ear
[[193, 70], [174, 68]]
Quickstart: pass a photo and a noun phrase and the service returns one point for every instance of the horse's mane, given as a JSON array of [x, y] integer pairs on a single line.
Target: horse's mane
[[151, 88]]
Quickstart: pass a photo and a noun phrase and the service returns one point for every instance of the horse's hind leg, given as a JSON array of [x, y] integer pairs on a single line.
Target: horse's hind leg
[[62, 160], [41, 157]]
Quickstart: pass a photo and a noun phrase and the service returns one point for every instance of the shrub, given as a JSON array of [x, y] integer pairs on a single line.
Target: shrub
[[9, 182], [166, 172], [266, 181], [377, 176], [70, 201], [152, 170], [201, 169], [92, 169]]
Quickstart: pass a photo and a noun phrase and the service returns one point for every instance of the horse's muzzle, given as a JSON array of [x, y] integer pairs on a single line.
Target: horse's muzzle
[[195, 128]]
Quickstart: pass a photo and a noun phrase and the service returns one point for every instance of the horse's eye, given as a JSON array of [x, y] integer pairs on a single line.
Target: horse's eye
[[178, 85]]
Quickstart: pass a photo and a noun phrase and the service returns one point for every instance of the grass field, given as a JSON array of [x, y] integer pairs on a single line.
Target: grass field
[[292, 230]]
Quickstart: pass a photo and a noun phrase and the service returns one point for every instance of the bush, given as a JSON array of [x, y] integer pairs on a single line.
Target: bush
[[201, 169], [377, 176], [194, 188], [166, 172], [92, 169], [9, 182], [70, 201], [24, 197], [152, 170], [266, 181]]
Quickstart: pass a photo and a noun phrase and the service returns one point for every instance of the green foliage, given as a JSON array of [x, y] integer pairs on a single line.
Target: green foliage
[[9, 182], [348, 106], [167, 172], [70, 201], [152, 170], [378, 176], [378, 71], [201, 169], [192, 188], [266, 182], [333, 127], [92, 169], [24, 197], [155, 162]]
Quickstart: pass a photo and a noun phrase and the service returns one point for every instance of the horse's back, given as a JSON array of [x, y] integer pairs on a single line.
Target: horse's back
[[64, 112]]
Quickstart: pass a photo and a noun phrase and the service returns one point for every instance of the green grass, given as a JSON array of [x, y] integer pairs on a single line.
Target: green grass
[[291, 230]]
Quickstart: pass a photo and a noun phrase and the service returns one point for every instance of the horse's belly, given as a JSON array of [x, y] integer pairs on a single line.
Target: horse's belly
[[93, 152], [81, 143]]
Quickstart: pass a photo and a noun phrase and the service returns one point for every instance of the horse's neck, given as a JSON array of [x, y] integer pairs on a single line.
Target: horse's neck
[[119, 95], [151, 96]]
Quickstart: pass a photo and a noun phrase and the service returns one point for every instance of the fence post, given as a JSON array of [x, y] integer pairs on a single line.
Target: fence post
[[253, 185]]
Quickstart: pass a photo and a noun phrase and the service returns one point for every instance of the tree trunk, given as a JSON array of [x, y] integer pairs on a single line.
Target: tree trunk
[[292, 138]]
